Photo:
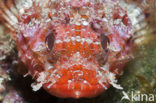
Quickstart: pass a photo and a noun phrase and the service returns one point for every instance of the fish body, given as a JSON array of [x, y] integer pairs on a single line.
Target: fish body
[[71, 48]]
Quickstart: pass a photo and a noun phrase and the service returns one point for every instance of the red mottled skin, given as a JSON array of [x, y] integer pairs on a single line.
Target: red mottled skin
[[70, 59]]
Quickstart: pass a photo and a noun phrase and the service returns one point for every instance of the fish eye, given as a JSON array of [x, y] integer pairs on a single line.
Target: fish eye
[[104, 41], [49, 40]]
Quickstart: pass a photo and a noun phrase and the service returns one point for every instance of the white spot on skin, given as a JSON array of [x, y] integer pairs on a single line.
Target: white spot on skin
[[58, 41], [89, 41], [76, 57], [1, 80], [83, 29], [73, 29], [67, 32], [69, 82], [77, 93], [105, 20], [97, 43], [78, 38], [28, 4], [21, 10], [53, 11], [77, 23], [67, 1], [48, 20], [82, 40], [85, 23], [86, 82], [73, 38], [117, 21], [67, 40]]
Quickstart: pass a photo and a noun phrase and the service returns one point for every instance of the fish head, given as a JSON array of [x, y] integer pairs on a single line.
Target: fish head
[[75, 55]]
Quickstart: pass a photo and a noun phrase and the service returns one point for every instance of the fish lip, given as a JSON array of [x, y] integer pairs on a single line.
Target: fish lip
[[60, 87], [63, 91]]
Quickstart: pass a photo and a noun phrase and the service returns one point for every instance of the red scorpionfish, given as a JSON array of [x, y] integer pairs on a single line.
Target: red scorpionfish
[[72, 48]]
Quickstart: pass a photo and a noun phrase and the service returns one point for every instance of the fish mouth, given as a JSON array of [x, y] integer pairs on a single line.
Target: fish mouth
[[76, 90], [75, 82]]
